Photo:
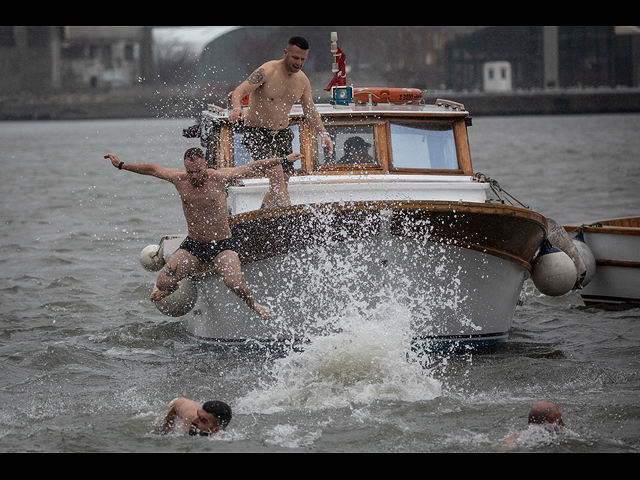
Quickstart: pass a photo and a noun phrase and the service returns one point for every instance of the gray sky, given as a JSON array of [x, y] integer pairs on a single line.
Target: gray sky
[[196, 37]]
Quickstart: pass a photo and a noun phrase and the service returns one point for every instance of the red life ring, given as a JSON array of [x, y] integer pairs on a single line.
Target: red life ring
[[388, 95]]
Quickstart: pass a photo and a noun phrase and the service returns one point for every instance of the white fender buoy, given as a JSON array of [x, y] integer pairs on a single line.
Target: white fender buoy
[[553, 273], [587, 257], [180, 302], [152, 258], [559, 238]]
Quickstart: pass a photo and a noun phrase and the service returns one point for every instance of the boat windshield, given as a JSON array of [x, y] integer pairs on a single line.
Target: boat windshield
[[423, 145], [353, 144]]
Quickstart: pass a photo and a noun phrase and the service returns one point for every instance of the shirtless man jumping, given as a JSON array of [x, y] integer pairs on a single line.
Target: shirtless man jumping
[[209, 244], [273, 89]]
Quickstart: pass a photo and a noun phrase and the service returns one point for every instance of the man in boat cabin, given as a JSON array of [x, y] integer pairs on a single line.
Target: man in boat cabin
[[273, 89], [209, 246]]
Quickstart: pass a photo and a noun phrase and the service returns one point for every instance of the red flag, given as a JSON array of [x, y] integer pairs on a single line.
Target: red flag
[[340, 78]]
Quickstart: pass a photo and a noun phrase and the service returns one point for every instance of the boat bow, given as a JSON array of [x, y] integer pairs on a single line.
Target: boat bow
[[507, 232]]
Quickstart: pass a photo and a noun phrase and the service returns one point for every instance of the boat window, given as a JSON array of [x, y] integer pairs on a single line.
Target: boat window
[[352, 144], [423, 145], [241, 155]]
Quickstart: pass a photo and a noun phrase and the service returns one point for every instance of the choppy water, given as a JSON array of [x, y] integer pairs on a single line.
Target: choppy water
[[88, 363]]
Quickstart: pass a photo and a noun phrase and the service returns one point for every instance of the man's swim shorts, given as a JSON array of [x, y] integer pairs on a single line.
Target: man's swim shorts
[[207, 252]]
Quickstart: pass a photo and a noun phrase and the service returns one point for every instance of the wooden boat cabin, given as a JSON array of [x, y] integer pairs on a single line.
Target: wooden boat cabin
[[380, 140]]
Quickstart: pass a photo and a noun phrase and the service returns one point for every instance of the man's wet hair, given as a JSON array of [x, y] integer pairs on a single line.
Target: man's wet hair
[[299, 42], [193, 153], [220, 410]]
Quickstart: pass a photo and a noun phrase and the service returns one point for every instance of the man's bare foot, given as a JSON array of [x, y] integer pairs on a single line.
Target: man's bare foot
[[260, 310], [272, 200], [159, 294]]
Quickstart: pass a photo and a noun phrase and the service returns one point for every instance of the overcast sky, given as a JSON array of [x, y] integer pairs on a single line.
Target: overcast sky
[[196, 37]]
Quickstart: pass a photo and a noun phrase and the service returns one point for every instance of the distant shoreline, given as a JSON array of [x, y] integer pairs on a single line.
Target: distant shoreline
[[147, 104], [553, 102]]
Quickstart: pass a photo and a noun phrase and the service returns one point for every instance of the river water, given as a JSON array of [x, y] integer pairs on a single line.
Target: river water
[[87, 363]]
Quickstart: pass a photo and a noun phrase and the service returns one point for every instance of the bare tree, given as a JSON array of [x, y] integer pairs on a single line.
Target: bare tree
[[175, 63]]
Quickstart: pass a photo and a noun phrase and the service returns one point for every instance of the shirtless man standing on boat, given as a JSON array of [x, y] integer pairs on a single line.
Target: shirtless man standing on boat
[[209, 244], [273, 89]]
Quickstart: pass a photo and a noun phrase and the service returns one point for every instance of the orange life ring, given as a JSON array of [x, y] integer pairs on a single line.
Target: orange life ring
[[388, 95], [245, 100]]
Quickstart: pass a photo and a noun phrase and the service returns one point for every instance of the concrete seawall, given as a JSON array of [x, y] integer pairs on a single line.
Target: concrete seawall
[[146, 105], [546, 103], [80, 107]]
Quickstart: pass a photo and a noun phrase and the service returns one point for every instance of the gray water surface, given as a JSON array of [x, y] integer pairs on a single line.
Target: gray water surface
[[88, 363]]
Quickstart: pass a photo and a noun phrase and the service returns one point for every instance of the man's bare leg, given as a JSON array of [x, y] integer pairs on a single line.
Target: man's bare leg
[[228, 266], [181, 265], [278, 194]]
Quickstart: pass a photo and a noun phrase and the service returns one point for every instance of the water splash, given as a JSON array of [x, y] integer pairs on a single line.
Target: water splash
[[290, 436], [366, 361], [313, 288]]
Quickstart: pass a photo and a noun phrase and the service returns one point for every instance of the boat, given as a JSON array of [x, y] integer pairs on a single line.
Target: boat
[[397, 216], [411, 224], [613, 247]]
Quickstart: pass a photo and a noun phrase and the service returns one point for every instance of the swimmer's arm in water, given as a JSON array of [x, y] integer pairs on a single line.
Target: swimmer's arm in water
[[170, 417], [150, 169]]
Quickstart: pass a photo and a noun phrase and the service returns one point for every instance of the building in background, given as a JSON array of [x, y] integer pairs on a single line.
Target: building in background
[[101, 57], [546, 57], [52, 59], [68, 59]]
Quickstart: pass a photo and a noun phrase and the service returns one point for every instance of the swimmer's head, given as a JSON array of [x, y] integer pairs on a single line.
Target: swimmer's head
[[546, 413], [211, 418]]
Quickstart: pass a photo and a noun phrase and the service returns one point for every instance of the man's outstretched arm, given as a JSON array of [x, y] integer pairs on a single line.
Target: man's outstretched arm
[[257, 167], [142, 168]]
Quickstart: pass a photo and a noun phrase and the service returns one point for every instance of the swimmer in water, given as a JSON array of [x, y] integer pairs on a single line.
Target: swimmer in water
[[206, 419], [542, 413]]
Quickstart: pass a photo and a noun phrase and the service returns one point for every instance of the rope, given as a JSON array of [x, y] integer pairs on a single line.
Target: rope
[[587, 225], [497, 189]]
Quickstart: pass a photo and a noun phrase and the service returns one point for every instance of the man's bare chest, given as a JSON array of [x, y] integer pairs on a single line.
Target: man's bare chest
[[281, 91], [206, 197]]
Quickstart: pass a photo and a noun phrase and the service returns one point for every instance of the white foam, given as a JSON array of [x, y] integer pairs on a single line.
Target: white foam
[[367, 360], [290, 436]]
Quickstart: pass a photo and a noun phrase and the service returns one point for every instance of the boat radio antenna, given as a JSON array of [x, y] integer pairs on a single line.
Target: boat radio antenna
[[341, 94], [334, 51]]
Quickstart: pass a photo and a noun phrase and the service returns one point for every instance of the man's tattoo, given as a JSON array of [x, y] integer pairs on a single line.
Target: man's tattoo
[[171, 272], [257, 77]]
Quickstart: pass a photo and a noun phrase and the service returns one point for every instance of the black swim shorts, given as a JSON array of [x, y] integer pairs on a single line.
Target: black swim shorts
[[207, 252], [263, 143]]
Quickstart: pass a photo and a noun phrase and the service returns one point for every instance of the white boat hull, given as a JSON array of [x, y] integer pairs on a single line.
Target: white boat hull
[[449, 292], [617, 276], [456, 291]]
